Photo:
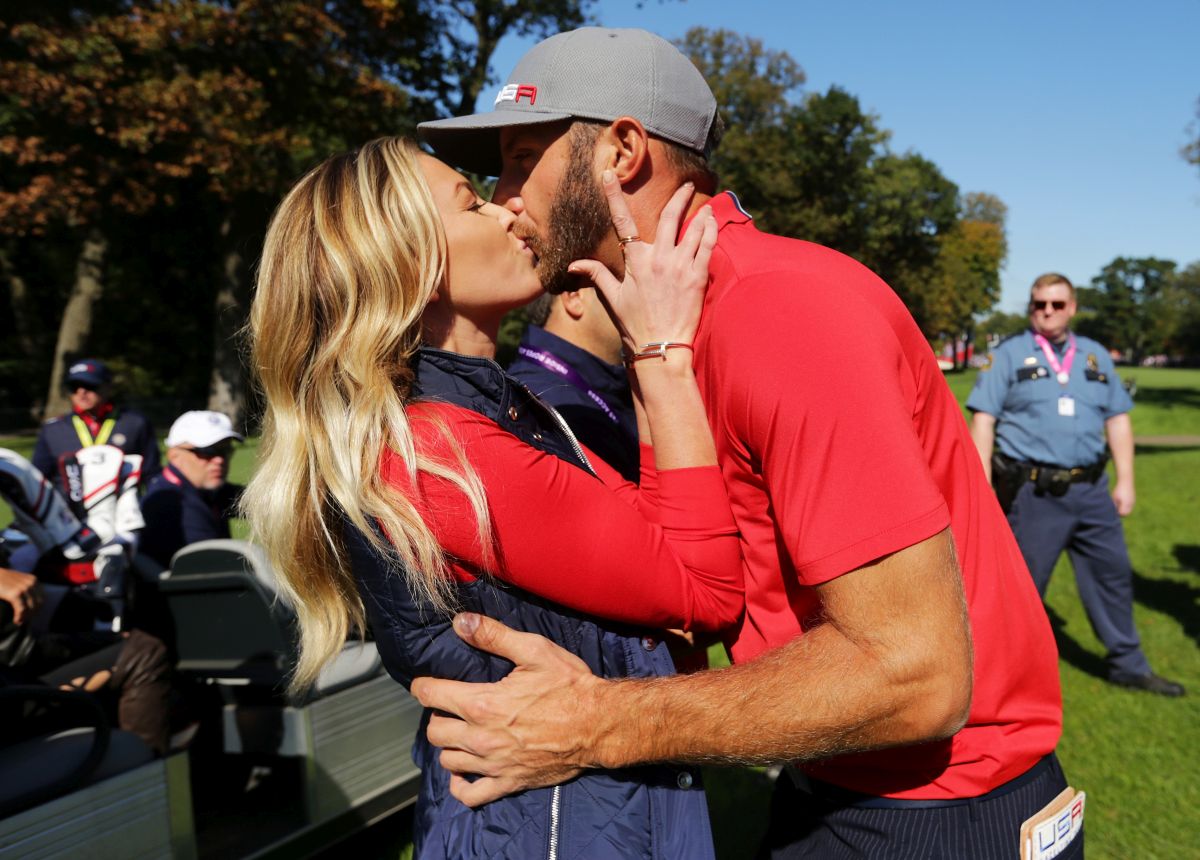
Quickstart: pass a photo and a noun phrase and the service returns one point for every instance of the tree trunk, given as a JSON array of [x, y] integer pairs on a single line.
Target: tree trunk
[[23, 321], [76, 325], [229, 389]]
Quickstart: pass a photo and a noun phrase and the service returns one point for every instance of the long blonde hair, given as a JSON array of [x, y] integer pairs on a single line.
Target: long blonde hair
[[352, 256]]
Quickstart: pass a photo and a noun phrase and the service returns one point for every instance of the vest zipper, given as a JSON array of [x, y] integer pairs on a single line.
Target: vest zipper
[[555, 801], [562, 425]]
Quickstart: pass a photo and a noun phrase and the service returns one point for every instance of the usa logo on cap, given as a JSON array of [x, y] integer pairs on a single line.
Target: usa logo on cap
[[515, 92]]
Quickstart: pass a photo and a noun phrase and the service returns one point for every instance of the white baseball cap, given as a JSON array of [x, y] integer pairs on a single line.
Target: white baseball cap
[[201, 428]]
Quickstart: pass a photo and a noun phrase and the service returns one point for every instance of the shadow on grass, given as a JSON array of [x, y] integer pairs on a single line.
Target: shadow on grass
[[1142, 450], [1188, 556], [739, 805], [1173, 397], [1072, 652], [1180, 600]]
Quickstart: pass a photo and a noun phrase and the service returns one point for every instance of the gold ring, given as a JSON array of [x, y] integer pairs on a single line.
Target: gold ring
[[625, 240]]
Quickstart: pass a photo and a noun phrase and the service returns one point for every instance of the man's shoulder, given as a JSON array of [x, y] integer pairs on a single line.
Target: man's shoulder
[[160, 486], [132, 416], [1012, 344], [765, 280], [57, 420], [750, 252], [1083, 343]]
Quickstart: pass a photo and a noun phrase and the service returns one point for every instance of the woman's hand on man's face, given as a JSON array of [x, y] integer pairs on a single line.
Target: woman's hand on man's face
[[662, 293]]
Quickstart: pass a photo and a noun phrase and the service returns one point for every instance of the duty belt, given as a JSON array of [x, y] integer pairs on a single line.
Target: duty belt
[[1054, 479]]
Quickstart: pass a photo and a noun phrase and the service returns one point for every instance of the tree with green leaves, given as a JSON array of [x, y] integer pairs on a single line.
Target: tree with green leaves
[[1000, 324], [819, 168], [1125, 306], [1182, 308], [115, 111], [967, 272], [470, 31]]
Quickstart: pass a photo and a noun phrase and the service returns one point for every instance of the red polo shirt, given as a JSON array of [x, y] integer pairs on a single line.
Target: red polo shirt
[[840, 443]]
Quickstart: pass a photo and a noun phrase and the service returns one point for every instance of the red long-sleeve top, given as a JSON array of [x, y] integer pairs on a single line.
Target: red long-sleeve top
[[665, 554]]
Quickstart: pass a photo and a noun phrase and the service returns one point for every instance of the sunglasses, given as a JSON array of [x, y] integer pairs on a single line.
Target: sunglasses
[[1041, 306], [221, 449]]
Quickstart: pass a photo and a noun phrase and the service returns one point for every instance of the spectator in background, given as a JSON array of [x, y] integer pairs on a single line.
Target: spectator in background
[[93, 420], [1047, 401], [191, 500], [570, 357]]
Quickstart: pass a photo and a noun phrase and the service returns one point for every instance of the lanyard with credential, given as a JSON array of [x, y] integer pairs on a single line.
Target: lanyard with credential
[[556, 365], [1062, 370], [85, 435]]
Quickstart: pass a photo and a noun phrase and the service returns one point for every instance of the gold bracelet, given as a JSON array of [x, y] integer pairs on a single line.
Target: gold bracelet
[[658, 349]]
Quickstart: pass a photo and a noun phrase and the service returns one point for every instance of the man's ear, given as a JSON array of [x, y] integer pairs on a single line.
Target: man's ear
[[572, 303], [626, 148]]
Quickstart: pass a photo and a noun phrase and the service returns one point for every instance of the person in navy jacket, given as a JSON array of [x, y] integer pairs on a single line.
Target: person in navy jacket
[[191, 500], [570, 357], [93, 420]]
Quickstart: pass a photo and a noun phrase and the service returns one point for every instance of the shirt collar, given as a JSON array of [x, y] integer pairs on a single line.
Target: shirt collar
[[172, 475], [598, 373], [98, 414], [727, 209], [1057, 347]]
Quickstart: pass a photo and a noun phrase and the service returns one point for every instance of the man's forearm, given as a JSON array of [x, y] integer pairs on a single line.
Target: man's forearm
[[1120, 442], [751, 713], [827, 692], [983, 434], [888, 662]]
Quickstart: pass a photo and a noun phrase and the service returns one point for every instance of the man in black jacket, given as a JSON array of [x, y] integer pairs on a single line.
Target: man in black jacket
[[191, 500]]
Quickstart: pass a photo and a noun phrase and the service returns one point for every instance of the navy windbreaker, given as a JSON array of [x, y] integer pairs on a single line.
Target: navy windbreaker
[[646, 812]]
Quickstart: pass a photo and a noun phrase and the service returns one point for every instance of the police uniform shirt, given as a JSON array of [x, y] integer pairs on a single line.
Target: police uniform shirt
[[1018, 387]]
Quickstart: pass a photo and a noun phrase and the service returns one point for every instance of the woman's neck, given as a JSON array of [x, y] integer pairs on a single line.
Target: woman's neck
[[461, 335]]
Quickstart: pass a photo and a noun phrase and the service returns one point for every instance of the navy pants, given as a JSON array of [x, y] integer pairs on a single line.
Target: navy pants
[[817, 825], [1085, 523]]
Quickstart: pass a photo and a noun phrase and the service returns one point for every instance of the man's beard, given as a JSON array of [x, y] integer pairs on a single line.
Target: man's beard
[[578, 222]]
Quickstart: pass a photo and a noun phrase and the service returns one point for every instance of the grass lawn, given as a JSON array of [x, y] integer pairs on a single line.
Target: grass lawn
[[1135, 754]]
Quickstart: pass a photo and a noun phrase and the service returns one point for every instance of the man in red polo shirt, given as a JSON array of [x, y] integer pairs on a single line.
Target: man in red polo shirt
[[892, 648]]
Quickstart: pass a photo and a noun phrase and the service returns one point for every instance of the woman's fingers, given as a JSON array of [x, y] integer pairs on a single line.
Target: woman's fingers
[[708, 241], [618, 207], [672, 215], [599, 275], [689, 243]]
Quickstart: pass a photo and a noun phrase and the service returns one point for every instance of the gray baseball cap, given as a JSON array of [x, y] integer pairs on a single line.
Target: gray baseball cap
[[591, 73]]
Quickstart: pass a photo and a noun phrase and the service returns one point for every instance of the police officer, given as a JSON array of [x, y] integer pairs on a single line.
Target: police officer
[[93, 420], [1046, 401]]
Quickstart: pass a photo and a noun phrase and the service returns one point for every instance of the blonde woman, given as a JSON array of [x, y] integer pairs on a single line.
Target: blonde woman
[[404, 477]]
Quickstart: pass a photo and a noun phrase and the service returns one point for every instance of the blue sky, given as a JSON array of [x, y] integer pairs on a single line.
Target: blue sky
[[1072, 112]]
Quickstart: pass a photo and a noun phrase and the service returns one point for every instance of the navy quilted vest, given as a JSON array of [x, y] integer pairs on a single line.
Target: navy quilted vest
[[645, 812]]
